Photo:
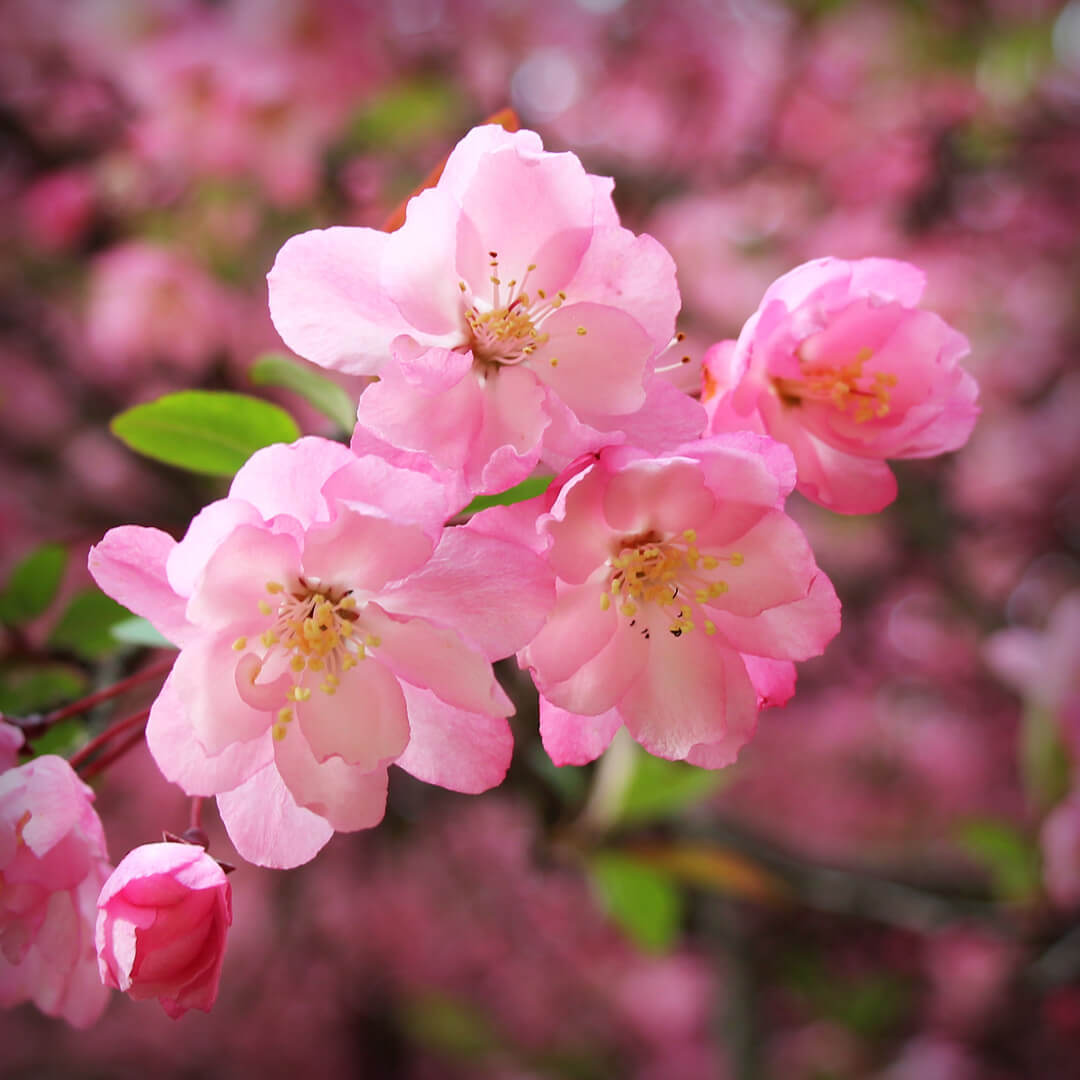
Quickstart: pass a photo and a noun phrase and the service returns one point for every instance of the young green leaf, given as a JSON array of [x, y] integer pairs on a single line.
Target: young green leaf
[[33, 584], [277, 369], [138, 631], [85, 626], [1011, 857], [527, 489], [645, 902], [662, 789], [204, 431]]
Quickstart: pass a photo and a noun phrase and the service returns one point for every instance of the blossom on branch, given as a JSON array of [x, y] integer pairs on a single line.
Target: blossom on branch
[[511, 318], [52, 863], [685, 594], [162, 919], [329, 626], [840, 364]]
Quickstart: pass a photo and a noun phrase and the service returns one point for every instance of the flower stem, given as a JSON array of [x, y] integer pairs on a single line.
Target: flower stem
[[88, 702], [85, 752], [100, 764]]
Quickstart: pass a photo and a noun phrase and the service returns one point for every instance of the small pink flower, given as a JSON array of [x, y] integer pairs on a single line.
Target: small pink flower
[[162, 918], [329, 626], [510, 310], [840, 364], [685, 593], [52, 863]]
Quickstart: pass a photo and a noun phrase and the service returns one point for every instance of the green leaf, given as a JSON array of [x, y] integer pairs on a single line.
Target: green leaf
[[277, 369], [451, 1027], [661, 789], [26, 690], [527, 489], [33, 584], [1011, 857], [85, 627], [205, 431], [408, 113], [642, 900], [63, 738], [1044, 758], [139, 631]]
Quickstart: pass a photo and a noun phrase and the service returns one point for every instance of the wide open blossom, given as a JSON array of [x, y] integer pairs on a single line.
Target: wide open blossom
[[685, 593], [510, 318], [52, 864], [329, 626], [840, 364], [162, 919]]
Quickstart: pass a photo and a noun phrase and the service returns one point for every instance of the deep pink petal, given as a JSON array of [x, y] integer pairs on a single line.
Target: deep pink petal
[[774, 680], [456, 749]]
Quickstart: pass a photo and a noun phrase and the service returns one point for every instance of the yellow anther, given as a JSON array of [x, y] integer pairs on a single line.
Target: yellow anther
[[269, 638], [240, 643], [554, 361], [581, 331], [701, 595], [326, 688], [710, 562], [541, 294], [279, 732], [373, 641], [530, 268], [285, 715], [347, 602], [462, 286], [718, 588], [863, 354], [629, 608], [298, 693], [345, 629], [315, 664], [736, 559], [561, 295], [605, 601], [274, 587], [297, 663], [710, 627], [690, 535], [264, 607]]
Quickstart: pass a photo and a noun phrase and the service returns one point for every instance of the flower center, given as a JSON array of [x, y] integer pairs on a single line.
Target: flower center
[[863, 397], [507, 331], [669, 577], [313, 629]]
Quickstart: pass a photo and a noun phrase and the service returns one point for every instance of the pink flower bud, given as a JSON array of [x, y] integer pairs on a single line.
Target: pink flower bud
[[162, 918]]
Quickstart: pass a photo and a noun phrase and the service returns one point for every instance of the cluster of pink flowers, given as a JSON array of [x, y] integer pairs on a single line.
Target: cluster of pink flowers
[[331, 618]]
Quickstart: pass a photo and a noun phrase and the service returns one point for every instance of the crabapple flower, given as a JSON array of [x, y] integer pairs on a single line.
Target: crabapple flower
[[685, 593], [329, 626], [162, 918], [510, 311], [52, 863], [840, 364]]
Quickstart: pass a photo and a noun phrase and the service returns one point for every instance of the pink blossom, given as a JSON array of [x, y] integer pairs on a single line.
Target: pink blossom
[[685, 593], [52, 863], [1061, 853], [840, 364], [329, 626], [162, 919], [510, 311]]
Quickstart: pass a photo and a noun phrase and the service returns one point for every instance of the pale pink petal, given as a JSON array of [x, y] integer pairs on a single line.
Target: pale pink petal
[[437, 659], [575, 631], [601, 683], [364, 722], [572, 739], [595, 359], [693, 696], [286, 479], [266, 826], [468, 583], [477, 143], [794, 631], [580, 542], [327, 303], [364, 550], [348, 796], [208, 528], [460, 750], [888, 279], [129, 565], [633, 273], [665, 496], [507, 444], [418, 270], [170, 734]]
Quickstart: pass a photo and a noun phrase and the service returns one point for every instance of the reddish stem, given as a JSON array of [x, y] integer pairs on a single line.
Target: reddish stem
[[103, 762], [115, 690], [196, 812], [95, 744]]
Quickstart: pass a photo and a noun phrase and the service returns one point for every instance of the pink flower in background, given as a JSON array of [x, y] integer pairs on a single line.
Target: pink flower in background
[[510, 310], [52, 863], [329, 626], [162, 919], [1061, 853], [685, 593], [840, 364]]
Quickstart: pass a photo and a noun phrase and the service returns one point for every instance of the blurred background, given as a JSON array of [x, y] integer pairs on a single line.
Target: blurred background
[[887, 884]]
